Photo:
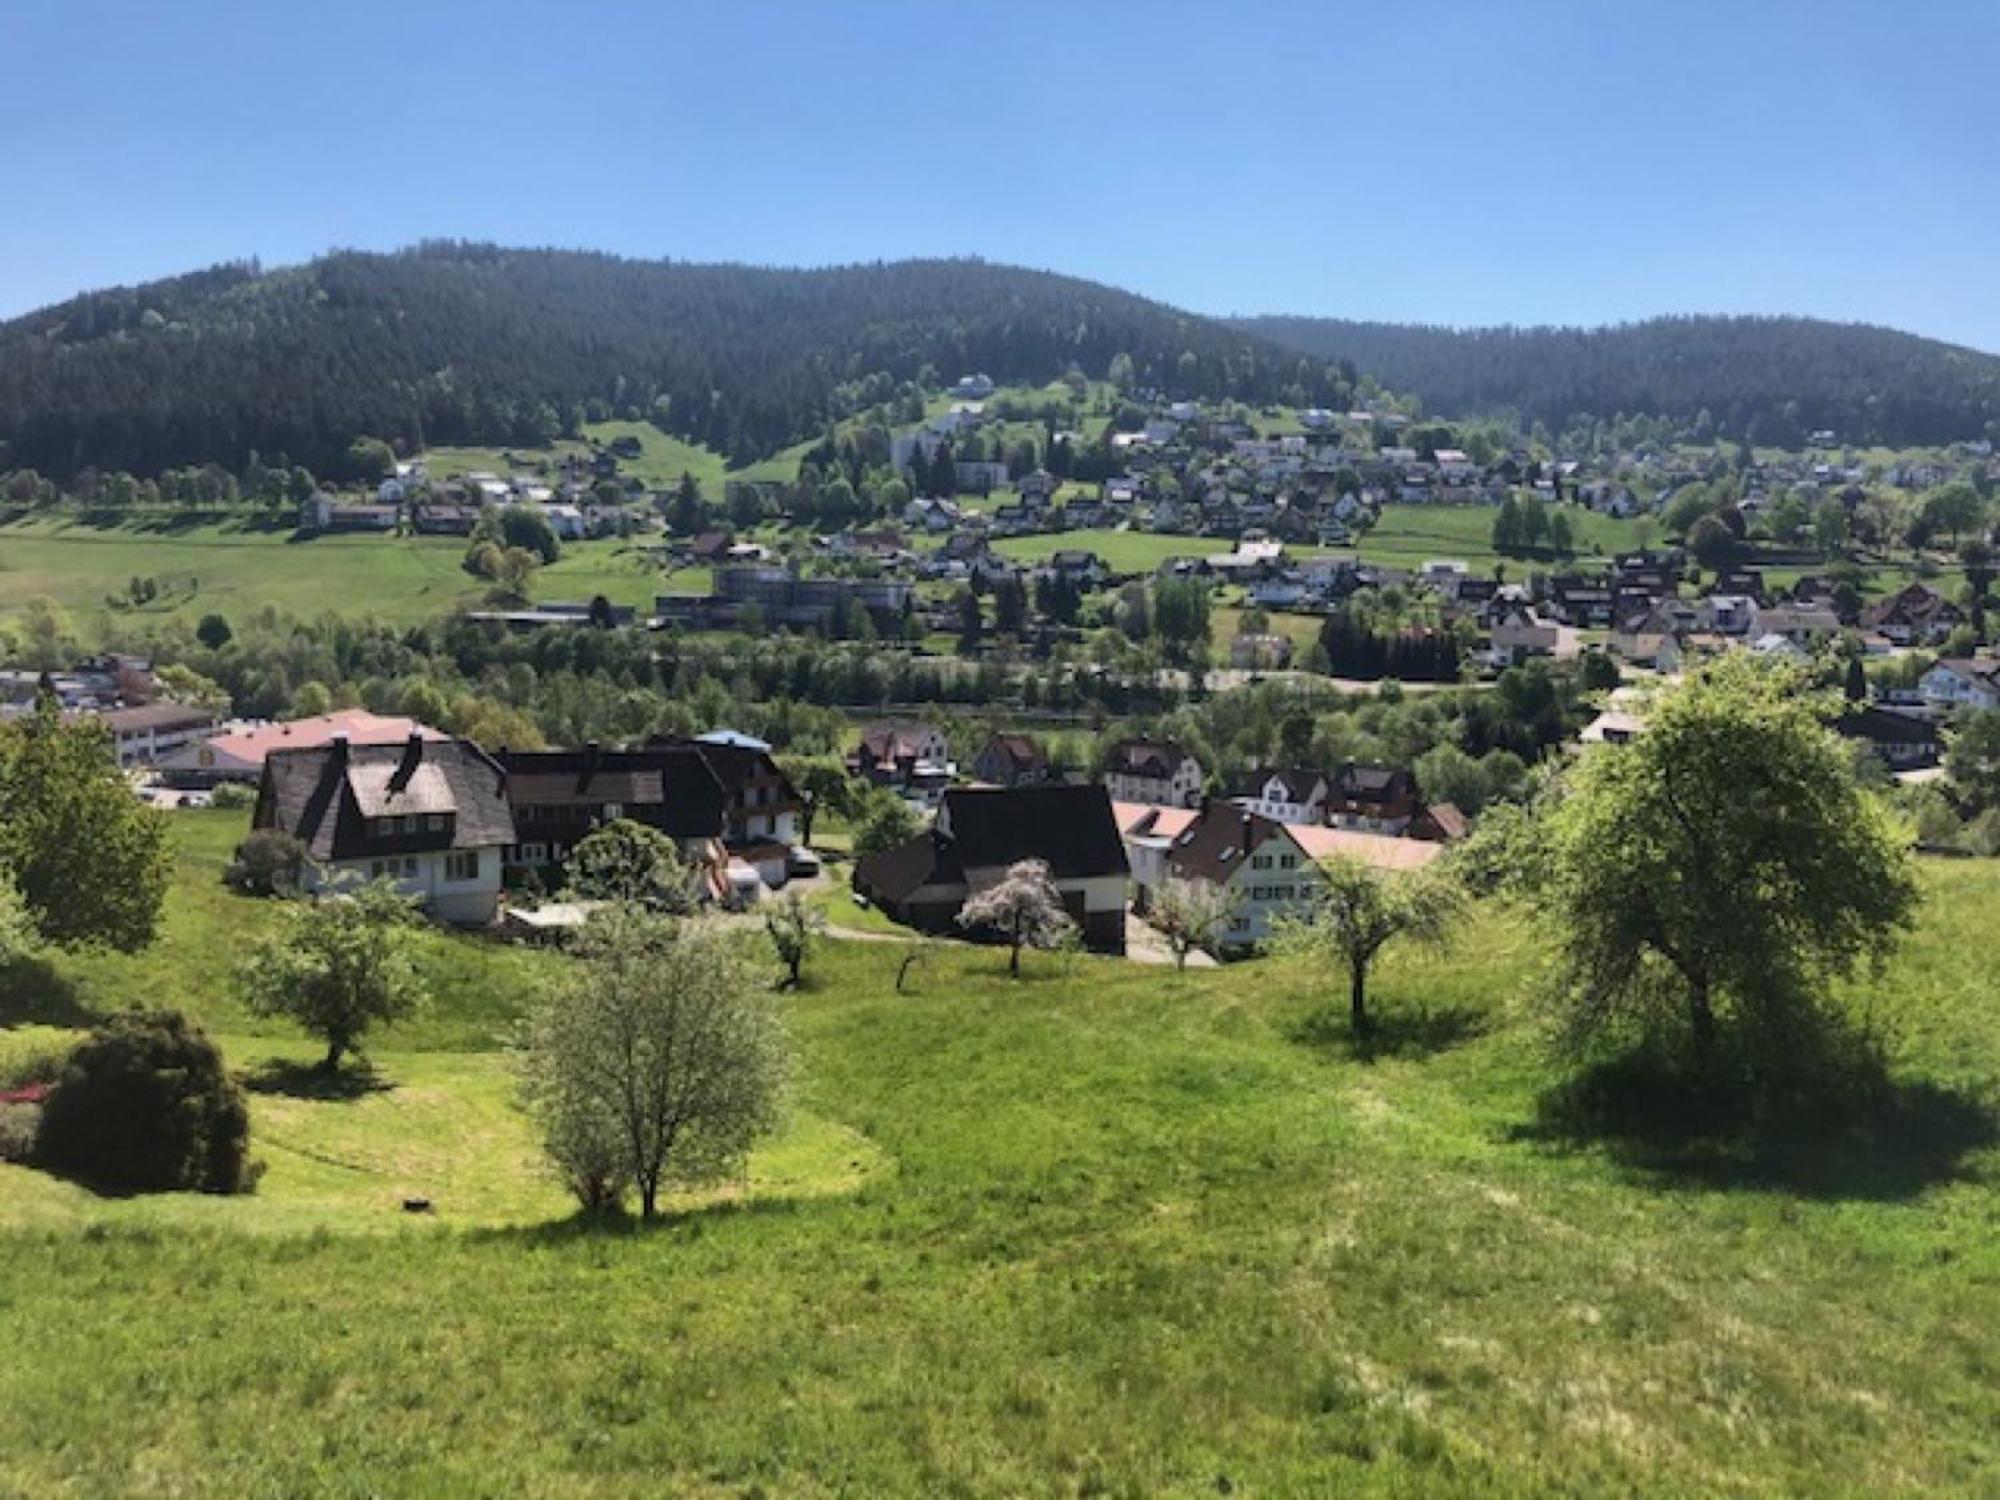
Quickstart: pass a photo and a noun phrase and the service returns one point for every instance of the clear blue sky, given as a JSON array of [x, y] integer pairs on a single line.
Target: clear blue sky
[[1461, 163]]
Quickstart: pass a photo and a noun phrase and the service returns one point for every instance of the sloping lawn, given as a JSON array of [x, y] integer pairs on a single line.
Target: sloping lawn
[[1107, 1230]]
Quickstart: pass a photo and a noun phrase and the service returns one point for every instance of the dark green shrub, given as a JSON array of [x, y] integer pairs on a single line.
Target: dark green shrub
[[270, 862], [145, 1105]]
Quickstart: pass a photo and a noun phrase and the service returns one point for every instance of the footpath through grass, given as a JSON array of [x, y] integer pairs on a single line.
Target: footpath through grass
[[1107, 1230]]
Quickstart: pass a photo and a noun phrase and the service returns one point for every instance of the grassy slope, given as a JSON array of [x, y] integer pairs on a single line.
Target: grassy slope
[[1106, 1230], [235, 571]]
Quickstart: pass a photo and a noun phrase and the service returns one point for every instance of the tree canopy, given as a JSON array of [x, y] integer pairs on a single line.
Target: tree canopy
[[1720, 869]]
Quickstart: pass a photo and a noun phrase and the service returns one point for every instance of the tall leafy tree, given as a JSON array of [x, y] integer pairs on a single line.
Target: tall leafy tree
[[1354, 912], [339, 967], [90, 860], [659, 1058], [1723, 867]]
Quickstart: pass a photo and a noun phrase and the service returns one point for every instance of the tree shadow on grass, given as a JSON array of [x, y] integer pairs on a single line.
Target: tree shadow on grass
[[32, 993], [1856, 1134], [582, 1227], [1399, 1032], [298, 1080]]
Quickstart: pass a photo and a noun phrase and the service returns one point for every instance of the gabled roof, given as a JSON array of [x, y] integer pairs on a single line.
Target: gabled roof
[[1299, 785], [325, 796], [1137, 820], [1376, 850], [1153, 758], [1019, 750], [674, 779], [249, 747], [896, 739], [1068, 827], [1220, 842]]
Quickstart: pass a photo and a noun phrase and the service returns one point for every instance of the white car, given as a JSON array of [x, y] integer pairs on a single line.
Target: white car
[[802, 861]]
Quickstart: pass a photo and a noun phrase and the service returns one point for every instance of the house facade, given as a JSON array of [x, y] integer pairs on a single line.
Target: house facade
[[430, 815], [981, 831], [1011, 760], [1155, 771]]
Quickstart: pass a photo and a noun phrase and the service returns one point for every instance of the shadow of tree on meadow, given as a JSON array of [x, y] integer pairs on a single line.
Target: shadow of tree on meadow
[[583, 1227], [1853, 1131], [33, 993], [1421, 1031], [303, 1080]]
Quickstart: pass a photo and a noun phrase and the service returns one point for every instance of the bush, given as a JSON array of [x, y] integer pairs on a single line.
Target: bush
[[233, 794], [270, 862], [145, 1105], [19, 1126]]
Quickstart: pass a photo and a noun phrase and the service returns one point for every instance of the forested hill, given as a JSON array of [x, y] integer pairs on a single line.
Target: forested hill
[[454, 343], [1769, 380]]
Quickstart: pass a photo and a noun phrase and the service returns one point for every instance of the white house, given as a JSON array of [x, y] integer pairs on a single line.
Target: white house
[[1154, 771], [430, 815], [1285, 796], [1270, 869], [1962, 682]]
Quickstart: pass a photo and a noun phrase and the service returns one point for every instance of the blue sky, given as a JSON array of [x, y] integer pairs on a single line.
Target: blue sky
[[1460, 163]]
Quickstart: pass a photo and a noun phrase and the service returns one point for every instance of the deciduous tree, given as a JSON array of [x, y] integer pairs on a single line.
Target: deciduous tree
[[1723, 866], [1353, 913], [1023, 907], [337, 966], [659, 1059]]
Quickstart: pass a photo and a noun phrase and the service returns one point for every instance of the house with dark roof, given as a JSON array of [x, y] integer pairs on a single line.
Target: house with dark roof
[[1372, 799], [761, 807], [431, 815], [1284, 795], [980, 832], [896, 752], [1903, 739], [1011, 760], [1156, 771], [1916, 615], [559, 797]]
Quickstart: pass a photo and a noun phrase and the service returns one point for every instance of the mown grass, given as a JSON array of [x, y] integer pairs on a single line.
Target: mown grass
[[234, 570], [1107, 1230], [1408, 536]]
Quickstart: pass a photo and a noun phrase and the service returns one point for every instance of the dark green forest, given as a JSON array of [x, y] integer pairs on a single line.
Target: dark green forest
[[458, 343], [1762, 380]]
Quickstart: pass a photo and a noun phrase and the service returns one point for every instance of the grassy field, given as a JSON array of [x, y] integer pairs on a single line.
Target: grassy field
[[1107, 1230], [234, 570], [1408, 536]]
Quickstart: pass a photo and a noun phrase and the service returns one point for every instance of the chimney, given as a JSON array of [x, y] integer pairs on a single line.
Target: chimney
[[413, 756], [338, 743]]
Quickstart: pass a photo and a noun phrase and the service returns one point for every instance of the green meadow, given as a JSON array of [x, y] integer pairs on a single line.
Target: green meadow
[[1108, 1230], [235, 569]]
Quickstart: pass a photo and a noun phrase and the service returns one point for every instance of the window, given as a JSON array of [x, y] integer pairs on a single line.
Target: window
[[434, 823], [382, 828], [1239, 924], [411, 823], [1288, 861], [534, 854], [462, 864], [613, 811]]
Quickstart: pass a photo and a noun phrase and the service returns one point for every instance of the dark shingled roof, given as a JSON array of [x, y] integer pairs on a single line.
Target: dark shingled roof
[[676, 778], [1160, 758], [1216, 845], [325, 794], [1069, 828], [1299, 784]]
